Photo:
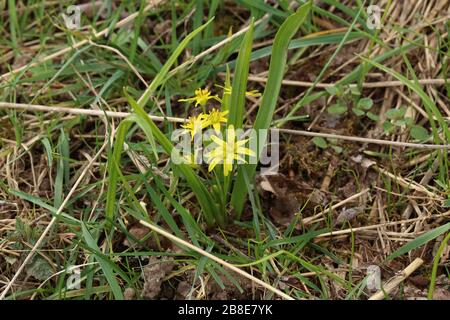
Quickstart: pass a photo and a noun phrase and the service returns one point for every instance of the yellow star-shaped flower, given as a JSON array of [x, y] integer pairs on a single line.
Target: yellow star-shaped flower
[[201, 97], [225, 152], [215, 118], [195, 124]]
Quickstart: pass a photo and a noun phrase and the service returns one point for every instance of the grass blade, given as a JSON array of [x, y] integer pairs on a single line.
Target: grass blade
[[163, 74], [104, 263], [419, 241], [239, 88]]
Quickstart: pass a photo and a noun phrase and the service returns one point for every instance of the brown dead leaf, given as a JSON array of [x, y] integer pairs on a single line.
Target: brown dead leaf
[[285, 196], [154, 273]]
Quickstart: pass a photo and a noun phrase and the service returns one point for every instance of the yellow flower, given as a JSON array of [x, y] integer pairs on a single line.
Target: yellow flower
[[252, 93], [227, 151], [195, 124], [201, 97], [215, 117]]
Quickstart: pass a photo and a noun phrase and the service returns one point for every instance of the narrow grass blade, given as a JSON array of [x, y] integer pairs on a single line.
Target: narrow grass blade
[[104, 263], [437, 258], [239, 87], [163, 74], [419, 241]]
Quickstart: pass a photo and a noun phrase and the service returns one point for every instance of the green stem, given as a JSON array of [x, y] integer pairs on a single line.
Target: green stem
[[435, 266]]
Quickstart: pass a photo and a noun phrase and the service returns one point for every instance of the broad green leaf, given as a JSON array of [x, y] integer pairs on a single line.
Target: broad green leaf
[[358, 112], [337, 108], [332, 91], [419, 133], [320, 142], [388, 126], [372, 116], [446, 203], [395, 113], [365, 104], [337, 149]]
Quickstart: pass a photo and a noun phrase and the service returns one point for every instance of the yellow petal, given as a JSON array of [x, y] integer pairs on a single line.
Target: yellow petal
[[246, 151], [213, 164], [241, 142], [217, 140]]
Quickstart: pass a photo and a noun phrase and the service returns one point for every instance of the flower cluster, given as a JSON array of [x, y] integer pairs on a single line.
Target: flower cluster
[[214, 118], [224, 152]]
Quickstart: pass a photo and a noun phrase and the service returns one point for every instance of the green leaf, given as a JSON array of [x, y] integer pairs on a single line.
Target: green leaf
[[446, 203], [39, 268], [395, 113], [337, 149], [365, 104], [372, 116], [239, 88], [401, 122], [48, 150], [105, 264], [332, 91], [355, 91], [388, 126], [358, 112], [64, 217], [337, 108], [147, 131], [419, 133], [320, 142], [62, 168]]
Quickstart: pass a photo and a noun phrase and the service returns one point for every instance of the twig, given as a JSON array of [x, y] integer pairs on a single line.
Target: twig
[[313, 218], [77, 111], [375, 226], [380, 84], [114, 114], [216, 259], [394, 282]]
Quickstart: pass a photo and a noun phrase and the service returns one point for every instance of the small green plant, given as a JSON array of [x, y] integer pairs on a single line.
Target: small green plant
[[396, 120], [324, 144], [223, 183], [350, 96]]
